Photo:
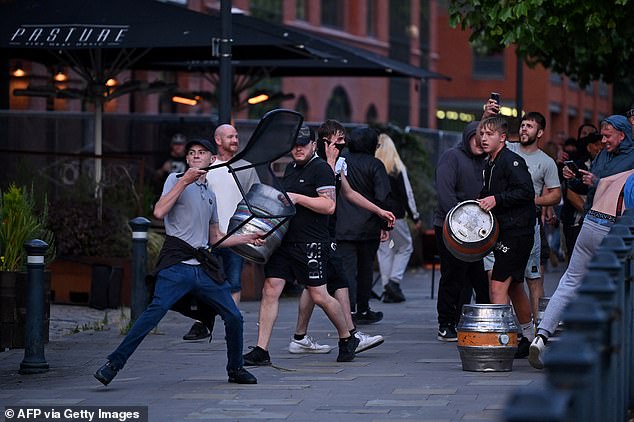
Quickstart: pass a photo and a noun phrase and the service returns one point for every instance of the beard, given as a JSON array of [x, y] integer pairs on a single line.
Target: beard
[[528, 140]]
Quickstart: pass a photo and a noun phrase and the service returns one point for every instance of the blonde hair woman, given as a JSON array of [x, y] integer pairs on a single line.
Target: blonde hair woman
[[394, 255]]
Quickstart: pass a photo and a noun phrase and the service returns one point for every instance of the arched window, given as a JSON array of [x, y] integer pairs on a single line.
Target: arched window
[[371, 115], [338, 107], [302, 106]]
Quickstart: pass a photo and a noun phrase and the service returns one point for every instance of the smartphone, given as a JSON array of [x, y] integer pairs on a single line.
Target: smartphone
[[495, 97], [573, 167]]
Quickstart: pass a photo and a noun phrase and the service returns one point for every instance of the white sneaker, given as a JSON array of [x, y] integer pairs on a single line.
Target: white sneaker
[[367, 342], [536, 353], [307, 345]]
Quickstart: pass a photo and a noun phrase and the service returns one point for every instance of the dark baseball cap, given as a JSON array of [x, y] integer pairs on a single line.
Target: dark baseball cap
[[305, 136], [179, 138], [205, 143]]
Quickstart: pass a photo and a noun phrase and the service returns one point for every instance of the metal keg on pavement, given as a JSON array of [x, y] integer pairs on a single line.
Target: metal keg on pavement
[[267, 210], [470, 232], [487, 338]]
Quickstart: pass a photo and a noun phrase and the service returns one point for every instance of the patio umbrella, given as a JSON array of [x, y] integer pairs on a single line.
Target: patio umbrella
[[98, 39]]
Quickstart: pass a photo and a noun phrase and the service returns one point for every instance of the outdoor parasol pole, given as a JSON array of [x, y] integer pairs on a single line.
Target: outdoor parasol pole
[[224, 106]]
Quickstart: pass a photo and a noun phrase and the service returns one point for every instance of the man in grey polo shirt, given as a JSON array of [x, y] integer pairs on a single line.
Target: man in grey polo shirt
[[186, 266]]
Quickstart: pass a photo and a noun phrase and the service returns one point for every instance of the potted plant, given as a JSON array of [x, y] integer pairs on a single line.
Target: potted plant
[[20, 221]]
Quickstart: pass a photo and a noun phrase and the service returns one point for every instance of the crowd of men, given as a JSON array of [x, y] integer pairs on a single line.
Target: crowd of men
[[347, 205]]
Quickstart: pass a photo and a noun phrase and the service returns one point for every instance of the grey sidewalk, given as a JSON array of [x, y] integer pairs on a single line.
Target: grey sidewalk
[[412, 376]]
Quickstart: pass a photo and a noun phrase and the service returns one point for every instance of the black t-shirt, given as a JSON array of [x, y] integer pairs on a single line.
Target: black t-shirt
[[307, 225]]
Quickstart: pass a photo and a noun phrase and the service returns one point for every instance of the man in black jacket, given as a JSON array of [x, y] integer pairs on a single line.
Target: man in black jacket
[[458, 178], [359, 230], [508, 193]]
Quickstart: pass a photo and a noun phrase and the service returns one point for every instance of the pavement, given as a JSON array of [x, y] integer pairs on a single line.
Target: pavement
[[412, 376]]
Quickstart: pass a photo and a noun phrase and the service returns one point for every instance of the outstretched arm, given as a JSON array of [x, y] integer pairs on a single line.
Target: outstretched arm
[[359, 200]]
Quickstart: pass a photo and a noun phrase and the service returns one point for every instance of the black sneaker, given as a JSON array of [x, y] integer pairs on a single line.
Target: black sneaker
[[523, 348], [447, 332], [257, 357], [367, 317], [197, 332], [393, 290], [241, 376], [106, 373], [347, 349]]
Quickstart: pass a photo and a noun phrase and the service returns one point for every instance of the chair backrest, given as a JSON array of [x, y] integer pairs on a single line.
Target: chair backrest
[[273, 138]]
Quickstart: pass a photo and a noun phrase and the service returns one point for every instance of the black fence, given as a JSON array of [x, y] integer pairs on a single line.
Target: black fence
[[589, 370]]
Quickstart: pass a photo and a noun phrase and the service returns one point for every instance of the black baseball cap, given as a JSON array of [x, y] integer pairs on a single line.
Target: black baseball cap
[[205, 143], [305, 136]]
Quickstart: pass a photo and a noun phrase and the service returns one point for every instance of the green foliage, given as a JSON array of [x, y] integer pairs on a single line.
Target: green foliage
[[584, 39], [80, 232], [419, 168], [21, 221]]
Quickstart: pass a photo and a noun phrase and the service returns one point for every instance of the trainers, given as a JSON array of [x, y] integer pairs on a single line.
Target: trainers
[[106, 373], [197, 332], [535, 352], [393, 290], [522, 348], [447, 332], [307, 345], [241, 376], [367, 342], [347, 349], [257, 357], [367, 317]]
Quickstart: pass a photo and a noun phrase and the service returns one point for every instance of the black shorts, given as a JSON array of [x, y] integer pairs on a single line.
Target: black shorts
[[305, 263], [511, 256], [337, 278]]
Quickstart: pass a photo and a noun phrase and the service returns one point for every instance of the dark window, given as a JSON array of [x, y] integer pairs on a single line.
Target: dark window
[[371, 18], [301, 10], [302, 106], [270, 10], [339, 106], [332, 13], [371, 115], [488, 66]]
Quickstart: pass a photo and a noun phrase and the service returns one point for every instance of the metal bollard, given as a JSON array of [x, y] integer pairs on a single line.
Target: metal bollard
[[139, 299], [538, 404], [608, 261], [600, 286], [585, 316], [570, 363], [623, 229], [34, 361]]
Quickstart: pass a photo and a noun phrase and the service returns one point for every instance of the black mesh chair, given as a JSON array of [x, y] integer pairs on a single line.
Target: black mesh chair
[[273, 138]]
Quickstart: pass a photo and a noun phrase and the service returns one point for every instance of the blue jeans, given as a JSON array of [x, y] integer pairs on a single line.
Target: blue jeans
[[173, 283], [232, 265]]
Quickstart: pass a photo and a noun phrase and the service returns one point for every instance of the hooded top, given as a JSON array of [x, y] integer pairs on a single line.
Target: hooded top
[[458, 175], [367, 175], [609, 163]]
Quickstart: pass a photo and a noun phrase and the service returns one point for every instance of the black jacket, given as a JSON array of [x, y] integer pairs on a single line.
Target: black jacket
[[366, 175], [507, 178], [458, 176]]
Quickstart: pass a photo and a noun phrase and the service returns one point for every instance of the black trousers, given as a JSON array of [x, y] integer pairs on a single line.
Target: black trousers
[[358, 259], [457, 280]]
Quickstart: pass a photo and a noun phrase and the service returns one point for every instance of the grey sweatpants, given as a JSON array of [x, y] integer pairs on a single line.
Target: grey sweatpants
[[589, 239]]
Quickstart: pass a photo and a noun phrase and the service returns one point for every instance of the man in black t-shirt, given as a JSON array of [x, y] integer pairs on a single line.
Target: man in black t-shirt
[[303, 255]]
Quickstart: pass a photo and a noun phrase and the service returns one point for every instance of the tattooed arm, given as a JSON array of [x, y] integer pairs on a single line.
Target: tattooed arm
[[322, 204]]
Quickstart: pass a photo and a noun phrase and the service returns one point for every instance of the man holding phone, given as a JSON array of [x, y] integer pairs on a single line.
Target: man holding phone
[[611, 171]]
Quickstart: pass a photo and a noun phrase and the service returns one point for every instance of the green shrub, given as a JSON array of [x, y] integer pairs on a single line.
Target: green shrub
[[21, 221]]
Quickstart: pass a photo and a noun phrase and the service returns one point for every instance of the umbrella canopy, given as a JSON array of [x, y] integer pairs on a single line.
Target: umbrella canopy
[[98, 39]]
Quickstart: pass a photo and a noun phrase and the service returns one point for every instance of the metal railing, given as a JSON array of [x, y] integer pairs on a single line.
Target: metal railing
[[589, 369]]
